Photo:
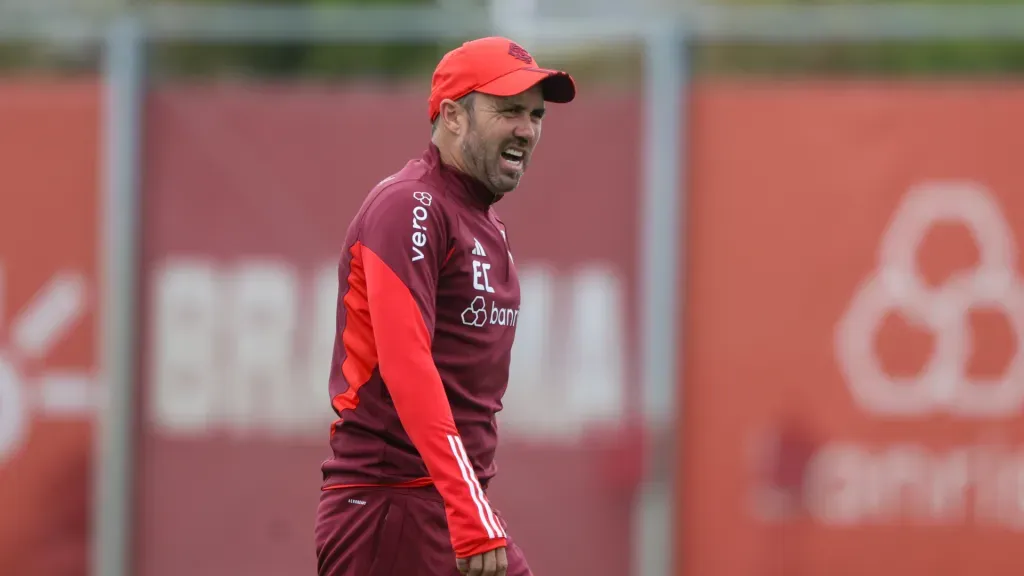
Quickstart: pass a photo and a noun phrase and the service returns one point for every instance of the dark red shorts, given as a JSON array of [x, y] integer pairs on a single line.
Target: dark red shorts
[[380, 531]]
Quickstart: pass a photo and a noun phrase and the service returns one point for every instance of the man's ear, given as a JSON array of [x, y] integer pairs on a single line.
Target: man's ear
[[452, 116]]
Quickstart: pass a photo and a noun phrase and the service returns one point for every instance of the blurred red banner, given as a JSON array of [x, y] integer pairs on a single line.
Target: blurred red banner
[[854, 377], [49, 347]]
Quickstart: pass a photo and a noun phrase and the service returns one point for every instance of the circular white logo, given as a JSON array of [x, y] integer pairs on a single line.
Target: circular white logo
[[897, 286]]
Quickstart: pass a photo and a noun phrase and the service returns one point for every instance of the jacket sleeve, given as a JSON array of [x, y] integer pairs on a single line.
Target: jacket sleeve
[[404, 243]]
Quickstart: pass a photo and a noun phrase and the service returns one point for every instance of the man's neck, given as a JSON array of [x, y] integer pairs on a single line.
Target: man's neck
[[449, 156]]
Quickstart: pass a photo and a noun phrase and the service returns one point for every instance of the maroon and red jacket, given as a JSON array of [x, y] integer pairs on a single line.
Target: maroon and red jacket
[[427, 309]]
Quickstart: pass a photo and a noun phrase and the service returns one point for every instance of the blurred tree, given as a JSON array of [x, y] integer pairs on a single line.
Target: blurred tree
[[391, 60], [381, 60], [894, 58]]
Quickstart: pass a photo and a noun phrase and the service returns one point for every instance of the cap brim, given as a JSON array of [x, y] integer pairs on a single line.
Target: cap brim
[[557, 86]]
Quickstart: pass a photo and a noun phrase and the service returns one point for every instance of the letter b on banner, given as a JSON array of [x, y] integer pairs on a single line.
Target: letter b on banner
[[231, 350]]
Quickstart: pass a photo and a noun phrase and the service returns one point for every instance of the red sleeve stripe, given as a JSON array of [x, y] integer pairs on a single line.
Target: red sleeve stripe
[[482, 506], [357, 337]]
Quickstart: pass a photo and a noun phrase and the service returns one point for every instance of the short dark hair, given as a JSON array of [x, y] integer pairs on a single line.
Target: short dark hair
[[466, 102]]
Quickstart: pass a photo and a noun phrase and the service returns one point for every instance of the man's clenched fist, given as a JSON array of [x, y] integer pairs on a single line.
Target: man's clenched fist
[[490, 563]]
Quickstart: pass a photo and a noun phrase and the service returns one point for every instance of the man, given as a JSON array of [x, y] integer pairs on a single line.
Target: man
[[427, 308]]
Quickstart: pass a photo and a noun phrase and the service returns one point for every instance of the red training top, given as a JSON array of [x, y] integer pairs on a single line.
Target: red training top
[[427, 308]]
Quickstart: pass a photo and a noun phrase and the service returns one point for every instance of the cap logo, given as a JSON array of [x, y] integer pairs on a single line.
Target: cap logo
[[519, 53]]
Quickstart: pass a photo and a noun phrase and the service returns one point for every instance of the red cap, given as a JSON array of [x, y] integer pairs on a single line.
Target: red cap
[[495, 66]]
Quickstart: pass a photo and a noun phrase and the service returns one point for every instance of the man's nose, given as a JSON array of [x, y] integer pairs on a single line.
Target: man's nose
[[526, 130]]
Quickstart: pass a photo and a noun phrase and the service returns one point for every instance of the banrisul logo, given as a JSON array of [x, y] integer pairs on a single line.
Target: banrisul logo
[[480, 313]]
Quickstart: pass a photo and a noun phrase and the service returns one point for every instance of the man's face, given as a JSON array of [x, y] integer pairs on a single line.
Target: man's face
[[503, 132]]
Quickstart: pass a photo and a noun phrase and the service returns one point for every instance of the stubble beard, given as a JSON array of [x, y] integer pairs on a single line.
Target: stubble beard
[[485, 169]]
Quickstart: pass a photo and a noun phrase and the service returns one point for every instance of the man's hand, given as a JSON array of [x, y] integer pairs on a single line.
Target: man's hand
[[490, 563]]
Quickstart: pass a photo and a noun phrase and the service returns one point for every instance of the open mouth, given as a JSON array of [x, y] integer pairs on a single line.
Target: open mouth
[[513, 157]]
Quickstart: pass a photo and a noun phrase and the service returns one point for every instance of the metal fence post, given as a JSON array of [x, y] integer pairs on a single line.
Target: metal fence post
[[120, 143], [665, 76]]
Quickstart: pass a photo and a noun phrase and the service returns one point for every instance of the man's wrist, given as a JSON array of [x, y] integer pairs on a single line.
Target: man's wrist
[[484, 546]]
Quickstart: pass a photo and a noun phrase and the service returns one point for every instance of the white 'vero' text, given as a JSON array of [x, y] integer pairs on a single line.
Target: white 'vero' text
[[419, 218]]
